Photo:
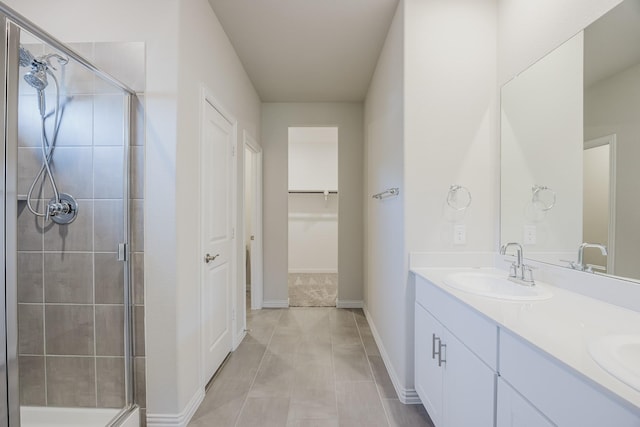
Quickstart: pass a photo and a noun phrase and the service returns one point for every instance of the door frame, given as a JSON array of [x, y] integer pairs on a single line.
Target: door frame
[[207, 98], [611, 244], [256, 258]]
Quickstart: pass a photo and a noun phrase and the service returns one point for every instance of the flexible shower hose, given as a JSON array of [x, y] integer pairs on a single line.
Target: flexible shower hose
[[47, 146]]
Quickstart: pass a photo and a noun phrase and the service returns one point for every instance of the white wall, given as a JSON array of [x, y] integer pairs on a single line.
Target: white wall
[[276, 119], [448, 50], [450, 102], [612, 106], [313, 233], [176, 38], [541, 145], [313, 158], [207, 59], [385, 257]]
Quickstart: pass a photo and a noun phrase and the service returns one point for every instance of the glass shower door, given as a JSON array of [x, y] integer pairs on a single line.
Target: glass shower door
[[66, 218]]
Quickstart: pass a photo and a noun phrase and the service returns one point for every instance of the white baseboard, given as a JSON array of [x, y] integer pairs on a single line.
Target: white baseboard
[[349, 303], [177, 420], [275, 303], [408, 396]]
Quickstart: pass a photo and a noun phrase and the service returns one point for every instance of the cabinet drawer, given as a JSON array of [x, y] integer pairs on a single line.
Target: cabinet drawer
[[477, 332], [562, 395]]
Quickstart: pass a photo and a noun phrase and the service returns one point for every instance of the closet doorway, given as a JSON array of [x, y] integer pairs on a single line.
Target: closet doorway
[[313, 216]]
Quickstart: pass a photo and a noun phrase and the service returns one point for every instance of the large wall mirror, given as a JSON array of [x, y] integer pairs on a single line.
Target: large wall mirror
[[570, 138]]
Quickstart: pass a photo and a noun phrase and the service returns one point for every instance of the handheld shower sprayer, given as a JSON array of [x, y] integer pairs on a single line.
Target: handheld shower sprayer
[[62, 208]]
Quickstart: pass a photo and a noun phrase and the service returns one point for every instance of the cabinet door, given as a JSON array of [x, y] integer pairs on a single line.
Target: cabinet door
[[469, 387], [428, 375], [515, 411]]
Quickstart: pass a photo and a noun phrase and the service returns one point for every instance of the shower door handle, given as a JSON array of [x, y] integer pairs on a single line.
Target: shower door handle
[[208, 258]]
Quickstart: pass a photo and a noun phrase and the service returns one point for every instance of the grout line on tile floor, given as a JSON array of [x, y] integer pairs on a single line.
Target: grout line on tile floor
[[264, 355]]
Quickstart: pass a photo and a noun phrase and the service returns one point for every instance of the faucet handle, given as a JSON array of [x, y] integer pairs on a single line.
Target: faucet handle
[[527, 274], [572, 264], [513, 270], [591, 267]]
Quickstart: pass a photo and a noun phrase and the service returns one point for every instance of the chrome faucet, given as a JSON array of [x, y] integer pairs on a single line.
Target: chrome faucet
[[580, 265], [518, 271]]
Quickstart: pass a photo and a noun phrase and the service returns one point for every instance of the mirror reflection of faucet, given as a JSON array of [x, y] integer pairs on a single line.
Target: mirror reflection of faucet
[[518, 272], [580, 265]]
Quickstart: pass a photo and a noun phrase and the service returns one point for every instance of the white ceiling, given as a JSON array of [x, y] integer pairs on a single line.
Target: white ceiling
[[307, 50]]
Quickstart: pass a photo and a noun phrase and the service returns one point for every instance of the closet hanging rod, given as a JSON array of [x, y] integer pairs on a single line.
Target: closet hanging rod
[[311, 192]]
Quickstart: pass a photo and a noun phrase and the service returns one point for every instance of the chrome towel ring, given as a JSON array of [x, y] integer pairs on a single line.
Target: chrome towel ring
[[536, 200], [453, 199]]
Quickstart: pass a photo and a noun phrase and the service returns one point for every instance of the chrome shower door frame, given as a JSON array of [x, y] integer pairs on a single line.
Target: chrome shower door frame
[[8, 243], [10, 213]]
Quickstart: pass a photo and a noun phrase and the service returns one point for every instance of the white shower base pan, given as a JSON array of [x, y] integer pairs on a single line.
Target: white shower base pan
[[37, 416]]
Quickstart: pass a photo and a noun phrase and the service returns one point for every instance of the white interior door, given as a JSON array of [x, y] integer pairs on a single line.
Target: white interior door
[[253, 227], [217, 228]]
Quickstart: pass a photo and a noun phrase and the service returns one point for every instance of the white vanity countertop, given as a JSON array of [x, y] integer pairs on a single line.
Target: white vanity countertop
[[561, 326]]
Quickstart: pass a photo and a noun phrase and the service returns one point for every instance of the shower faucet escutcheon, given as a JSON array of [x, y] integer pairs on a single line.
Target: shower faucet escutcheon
[[62, 211]]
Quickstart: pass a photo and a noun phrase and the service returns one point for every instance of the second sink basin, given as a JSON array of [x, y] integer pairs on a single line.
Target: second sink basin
[[619, 355], [495, 285]]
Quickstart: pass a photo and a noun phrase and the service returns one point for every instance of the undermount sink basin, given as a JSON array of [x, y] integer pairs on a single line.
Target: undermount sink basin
[[494, 285], [619, 355]]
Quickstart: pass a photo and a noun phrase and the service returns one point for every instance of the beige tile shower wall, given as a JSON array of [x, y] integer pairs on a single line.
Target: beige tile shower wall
[[70, 283]]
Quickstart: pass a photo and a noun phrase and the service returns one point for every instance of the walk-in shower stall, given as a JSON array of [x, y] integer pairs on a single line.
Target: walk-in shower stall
[[68, 353]]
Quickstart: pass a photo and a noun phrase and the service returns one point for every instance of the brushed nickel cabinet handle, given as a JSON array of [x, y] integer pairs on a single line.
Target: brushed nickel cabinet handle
[[441, 359]]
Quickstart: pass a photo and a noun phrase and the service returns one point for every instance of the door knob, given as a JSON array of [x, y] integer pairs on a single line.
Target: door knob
[[208, 258]]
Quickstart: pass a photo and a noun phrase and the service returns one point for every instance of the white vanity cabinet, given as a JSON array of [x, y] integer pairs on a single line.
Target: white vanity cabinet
[[516, 411], [428, 375], [475, 364], [455, 385], [564, 397]]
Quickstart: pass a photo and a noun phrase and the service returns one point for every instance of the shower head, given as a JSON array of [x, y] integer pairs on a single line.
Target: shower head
[[26, 58], [37, 78]]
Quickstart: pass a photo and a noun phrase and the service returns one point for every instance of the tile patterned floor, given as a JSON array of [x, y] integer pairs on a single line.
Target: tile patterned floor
[[311, 367], [313, 289]]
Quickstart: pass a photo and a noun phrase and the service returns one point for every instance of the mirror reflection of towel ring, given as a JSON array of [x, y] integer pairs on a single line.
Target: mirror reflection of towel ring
[[536, 192], [452, 197]]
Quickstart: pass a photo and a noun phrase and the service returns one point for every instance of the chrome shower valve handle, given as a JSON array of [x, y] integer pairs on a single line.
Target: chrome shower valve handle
[[63, 211]]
